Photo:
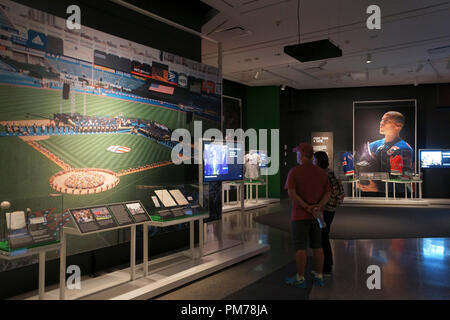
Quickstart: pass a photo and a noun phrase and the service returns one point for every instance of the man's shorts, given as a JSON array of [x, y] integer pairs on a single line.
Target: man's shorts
[[304, 230]]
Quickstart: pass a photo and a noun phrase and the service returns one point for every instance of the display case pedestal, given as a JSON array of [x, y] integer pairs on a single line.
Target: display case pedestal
[[41, 251]]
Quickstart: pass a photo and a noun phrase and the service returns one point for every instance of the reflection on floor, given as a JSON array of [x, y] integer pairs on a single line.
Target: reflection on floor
[[410, 268]]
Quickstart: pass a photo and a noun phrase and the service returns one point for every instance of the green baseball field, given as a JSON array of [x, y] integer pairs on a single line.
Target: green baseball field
[[25, 171]]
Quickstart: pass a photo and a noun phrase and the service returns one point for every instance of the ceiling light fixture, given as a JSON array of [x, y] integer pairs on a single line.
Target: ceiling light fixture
[[311, 51], [283, 87], [369, 58]]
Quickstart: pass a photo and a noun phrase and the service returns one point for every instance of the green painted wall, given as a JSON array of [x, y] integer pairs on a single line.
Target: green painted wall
[[263, 112]]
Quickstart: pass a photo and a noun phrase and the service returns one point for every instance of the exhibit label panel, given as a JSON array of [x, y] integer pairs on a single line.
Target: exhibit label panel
[[323, 141]]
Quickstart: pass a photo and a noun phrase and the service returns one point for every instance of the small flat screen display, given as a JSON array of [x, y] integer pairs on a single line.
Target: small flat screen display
[[435, 158], [223, 161], [264, 161]]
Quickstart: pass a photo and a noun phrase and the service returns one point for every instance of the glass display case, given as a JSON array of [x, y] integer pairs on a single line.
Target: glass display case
[[171, 202], [31, 223], [344, 165]]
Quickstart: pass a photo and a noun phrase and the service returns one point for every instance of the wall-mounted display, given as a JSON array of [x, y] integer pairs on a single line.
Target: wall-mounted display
[[81, 105], [89, 115], [434, 158], [221, 161]]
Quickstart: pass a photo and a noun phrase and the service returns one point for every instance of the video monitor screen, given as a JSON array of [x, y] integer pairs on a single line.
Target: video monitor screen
[[223, 161], [434, 159], [160, 72], [264, 161]]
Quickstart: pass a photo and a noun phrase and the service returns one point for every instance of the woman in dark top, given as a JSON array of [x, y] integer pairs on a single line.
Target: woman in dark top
[[337, 196]]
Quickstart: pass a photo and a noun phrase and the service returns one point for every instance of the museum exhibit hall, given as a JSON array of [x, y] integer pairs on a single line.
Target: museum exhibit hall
[[220, 152]]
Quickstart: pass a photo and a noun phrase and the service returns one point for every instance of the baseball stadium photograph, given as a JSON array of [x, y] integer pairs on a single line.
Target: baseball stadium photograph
[[86, 126]]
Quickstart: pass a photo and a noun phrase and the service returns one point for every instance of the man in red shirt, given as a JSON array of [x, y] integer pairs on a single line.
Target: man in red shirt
[[309, 190]]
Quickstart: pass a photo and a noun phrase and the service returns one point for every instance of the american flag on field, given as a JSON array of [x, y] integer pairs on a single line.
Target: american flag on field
[[161, 88], [119, 149]]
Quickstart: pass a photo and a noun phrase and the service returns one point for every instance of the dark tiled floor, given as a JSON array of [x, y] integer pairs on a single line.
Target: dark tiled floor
[[410, 268]]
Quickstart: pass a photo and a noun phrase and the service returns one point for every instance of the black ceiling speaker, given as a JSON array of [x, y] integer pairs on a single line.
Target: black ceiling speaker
[[311, 51]]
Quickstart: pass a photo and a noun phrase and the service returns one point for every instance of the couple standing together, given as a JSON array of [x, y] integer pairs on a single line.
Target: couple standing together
[[313, 189]]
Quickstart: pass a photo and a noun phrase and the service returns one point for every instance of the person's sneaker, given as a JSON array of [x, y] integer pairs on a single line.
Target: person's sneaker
[[292, 281], [318, 281]]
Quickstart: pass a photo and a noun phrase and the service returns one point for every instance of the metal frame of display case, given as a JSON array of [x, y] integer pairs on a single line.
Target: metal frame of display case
[[405, 182], [191, 221], [145, 224], [249, 188], [355, 190], [76, 232], [248, 184], [41, 251]]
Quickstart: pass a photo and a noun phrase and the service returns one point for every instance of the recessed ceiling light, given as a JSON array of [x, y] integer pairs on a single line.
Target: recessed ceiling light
[[369, 58]]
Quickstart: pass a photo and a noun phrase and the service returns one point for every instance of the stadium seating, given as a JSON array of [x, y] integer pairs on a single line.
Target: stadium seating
[[32, 68], [80, 70], [7, 67], [117, 80], [18, 78], [4, 21]]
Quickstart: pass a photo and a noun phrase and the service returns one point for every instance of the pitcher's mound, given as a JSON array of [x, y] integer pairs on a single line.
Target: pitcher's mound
[[84, 181]]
